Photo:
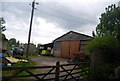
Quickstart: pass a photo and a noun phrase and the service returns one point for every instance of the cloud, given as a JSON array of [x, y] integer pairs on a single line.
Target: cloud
[[52, 18], [45, 31]]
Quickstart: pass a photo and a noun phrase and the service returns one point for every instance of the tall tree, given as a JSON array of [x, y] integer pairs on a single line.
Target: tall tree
[[109, 22], [18, 43], [12, 41], [2, 28], [2, 22]]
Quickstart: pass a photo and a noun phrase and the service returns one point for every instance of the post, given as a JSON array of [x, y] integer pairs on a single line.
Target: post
[[57, 72], [32, 13]]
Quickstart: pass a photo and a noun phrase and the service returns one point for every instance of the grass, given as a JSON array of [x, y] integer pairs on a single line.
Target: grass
[[19, 64]]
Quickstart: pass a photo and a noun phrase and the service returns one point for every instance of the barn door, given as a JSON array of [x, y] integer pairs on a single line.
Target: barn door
[[68, 48], [74, 48], [65, 49]]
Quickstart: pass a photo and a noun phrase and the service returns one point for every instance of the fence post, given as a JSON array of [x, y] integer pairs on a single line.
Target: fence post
[[57, 71]]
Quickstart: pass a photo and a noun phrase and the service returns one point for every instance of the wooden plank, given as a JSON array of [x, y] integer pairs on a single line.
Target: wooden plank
[[71, 73], [48, 73], [70, 69], [35, 67], [68, 73], [79, 63], [41, 74], [33, 75]]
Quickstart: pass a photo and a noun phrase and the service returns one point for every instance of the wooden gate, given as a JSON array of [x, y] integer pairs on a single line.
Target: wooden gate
[[64, 72], [68, 48]]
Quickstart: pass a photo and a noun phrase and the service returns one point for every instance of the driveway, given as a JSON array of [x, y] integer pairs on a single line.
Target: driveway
[[46, 60]]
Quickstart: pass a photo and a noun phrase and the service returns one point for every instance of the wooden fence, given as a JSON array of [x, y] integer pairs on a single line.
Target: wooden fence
[[64, 72]]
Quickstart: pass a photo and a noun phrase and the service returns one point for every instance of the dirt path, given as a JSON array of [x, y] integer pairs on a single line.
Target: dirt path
[[46, 61]]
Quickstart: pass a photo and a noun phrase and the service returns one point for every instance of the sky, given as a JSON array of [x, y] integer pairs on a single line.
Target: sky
[[52, 18]]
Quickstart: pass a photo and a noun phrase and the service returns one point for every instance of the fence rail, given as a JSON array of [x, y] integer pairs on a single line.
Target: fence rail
[[58, 72]]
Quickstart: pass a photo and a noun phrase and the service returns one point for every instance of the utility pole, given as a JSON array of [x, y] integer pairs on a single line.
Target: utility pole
[[32, 13]]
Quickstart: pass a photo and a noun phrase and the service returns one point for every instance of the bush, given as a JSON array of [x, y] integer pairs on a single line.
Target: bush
[[103, 72], [104, 43], [108, 45]]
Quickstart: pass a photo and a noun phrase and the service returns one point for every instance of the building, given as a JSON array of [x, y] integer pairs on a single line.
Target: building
[[47, 48], [32, 49], [69, 44]]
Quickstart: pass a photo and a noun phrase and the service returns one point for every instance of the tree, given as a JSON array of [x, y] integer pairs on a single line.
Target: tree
[[109, 22], [12, 41], [106, 44], [18, 43], [2, 27]]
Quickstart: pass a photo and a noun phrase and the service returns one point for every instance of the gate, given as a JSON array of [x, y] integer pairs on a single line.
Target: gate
[[64, 72]]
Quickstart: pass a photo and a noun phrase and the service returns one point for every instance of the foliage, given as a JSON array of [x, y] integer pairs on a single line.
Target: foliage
[[9, 47], [85, 70], [109, 47], [109, 22], [105, 43], [107, 40], [3, 36], [103, 72], [18, 43], [13, 41], [2, 27]]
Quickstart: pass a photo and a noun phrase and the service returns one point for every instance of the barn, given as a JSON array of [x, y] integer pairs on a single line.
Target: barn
[[69, 44]]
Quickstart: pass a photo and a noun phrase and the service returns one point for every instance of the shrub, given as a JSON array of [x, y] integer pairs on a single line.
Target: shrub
[[104, 43], [109, 47], [102, 72], [107, 44]]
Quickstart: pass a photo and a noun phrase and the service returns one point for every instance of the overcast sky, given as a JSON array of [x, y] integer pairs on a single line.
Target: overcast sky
[[52, 18]]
